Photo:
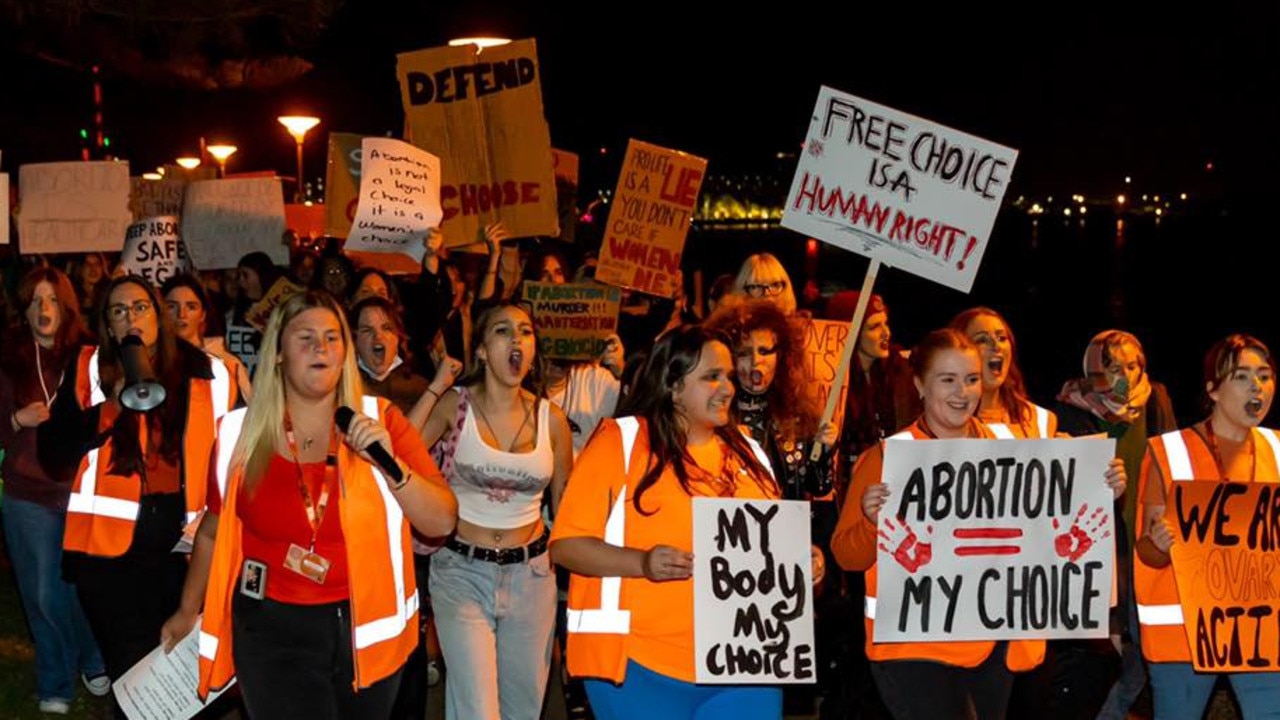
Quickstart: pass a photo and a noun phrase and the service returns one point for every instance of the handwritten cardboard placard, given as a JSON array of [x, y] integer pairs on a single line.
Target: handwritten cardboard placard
[[892, 186], [156, 198], [1224, 556], [752, 592], [995, 540], [399, 205], [481, 114], [153, 249], [73, 206], [649, 218], [224, 220], [823, 343], [260, 312], [243, 341], [573, 321], [342, 182]]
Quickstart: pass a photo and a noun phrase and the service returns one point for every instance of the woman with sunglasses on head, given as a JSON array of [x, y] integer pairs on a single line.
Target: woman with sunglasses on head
[[303, 564], [1229, 445], [501, 447], [47, 337], [139, 476]]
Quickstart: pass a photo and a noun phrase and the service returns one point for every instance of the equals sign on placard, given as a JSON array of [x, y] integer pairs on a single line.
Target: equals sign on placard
[[987, 541]]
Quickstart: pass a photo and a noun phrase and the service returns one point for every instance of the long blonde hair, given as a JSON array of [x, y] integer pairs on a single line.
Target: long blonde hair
[[263, 429]]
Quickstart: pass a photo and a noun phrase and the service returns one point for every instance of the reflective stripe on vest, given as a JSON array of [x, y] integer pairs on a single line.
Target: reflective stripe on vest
[[869, 601], [1273, 440], [208, 645], [96, 396], [386, 628], [220, 387], [1159, 614], [1002, 431], [88, 502], [610, 617], [1175, 448]]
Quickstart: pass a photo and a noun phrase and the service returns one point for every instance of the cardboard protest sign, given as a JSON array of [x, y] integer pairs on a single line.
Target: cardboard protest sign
[[650, 215], [1224, 554], [154, 250], [573, 321], [342, 182], [243, 342], [224, 220], [399, 205], [565, 165], [823, 343], [752, 592], [481, 114], [73, 206], [898, 188], [156, 198], [994, 540], [260, 312]]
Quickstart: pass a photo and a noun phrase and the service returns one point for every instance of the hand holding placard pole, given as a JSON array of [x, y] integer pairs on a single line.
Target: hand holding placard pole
[[850, 344]]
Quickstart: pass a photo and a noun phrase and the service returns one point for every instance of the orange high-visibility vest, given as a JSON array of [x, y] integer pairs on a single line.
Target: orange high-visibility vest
[[103, 507], [1022, 654], [384, 594], [1003, 431], [1182, 455]]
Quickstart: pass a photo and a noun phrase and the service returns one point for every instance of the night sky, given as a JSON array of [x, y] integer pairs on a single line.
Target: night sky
[[1086, 92]]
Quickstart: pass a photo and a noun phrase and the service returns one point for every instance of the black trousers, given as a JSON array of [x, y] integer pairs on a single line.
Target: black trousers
[[295, 661], [921, 689], [411, 700]]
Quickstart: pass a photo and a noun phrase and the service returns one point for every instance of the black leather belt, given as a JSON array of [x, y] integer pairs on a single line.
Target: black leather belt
[[501, 556]]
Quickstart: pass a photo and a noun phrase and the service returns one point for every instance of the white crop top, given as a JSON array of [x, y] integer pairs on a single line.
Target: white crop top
[[498, 489]]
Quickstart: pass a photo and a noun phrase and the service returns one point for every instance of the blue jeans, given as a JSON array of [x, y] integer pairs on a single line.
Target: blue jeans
[[646, 694], [1181, 693], [64, 643], [495, 624]]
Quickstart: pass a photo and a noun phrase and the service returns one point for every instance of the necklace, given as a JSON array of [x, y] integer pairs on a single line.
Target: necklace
[[515, 438], [48, 396]]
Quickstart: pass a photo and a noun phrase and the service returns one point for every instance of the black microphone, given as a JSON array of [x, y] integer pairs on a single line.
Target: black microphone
[[343, 416]]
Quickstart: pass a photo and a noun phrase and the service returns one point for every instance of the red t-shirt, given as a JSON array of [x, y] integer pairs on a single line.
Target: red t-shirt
[[274, 517]]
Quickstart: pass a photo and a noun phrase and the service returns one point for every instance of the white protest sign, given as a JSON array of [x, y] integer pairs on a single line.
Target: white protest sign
[[224, 220], [399, 204], [995, 540], [898, 188], [4, 208], [752, 592], [242, 341], [154, 250], [162, 686], [73, 206]]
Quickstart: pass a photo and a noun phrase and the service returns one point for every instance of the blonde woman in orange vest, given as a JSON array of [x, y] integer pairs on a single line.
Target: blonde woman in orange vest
[[1004, 407], [139, 478], [625, 531], [933, 679], [310, 596], [1230, 445]]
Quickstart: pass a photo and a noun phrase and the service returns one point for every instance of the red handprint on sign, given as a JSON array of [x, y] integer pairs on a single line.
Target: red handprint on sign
[[907, 548], [1077, 540]]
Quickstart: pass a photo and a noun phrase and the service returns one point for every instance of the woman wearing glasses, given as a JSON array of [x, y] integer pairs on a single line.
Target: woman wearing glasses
[[762, 276], [137, 479]]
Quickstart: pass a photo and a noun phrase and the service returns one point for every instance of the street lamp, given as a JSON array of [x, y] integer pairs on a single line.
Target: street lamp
[[480, 42], [298, 125], [188, 163], [221, 153]]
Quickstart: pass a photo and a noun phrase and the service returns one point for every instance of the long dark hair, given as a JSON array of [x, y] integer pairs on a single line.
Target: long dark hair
[[670, 361], [1013, 393], [19, 359], [533, 382], [169, 419]]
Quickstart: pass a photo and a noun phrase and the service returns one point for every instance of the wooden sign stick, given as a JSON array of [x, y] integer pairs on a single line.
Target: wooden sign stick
[[850, 344]]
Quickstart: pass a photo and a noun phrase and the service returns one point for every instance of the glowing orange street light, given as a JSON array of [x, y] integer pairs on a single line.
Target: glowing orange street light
[[221, 153], [298, 125], [188, 163], [480, 42]]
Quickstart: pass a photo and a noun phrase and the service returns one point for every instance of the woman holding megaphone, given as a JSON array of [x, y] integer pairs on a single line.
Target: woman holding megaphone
[[133, 427], [303, 564]]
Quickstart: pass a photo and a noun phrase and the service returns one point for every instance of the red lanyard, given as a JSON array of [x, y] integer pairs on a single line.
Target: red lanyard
[[315, 512], [1217, 454]]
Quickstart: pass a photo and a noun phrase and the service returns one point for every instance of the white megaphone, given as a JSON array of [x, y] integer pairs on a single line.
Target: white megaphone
[[142, 391]]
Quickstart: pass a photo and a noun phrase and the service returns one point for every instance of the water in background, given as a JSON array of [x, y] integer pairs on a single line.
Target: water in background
[[1179, 283]]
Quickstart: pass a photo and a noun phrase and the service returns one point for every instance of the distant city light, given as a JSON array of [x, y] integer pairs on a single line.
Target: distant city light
[[1183, 196], [1066, 212], [1120, 199], [1127, 179]]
